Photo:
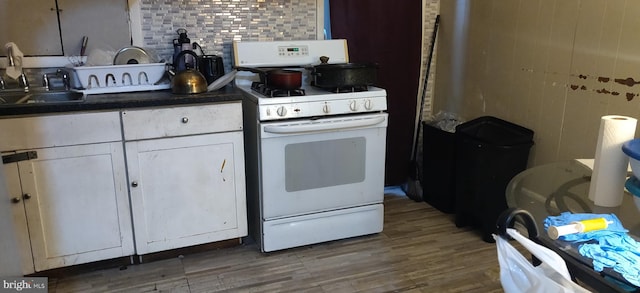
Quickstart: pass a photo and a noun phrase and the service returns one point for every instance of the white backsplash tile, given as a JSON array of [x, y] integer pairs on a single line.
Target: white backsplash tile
[[215, 24]]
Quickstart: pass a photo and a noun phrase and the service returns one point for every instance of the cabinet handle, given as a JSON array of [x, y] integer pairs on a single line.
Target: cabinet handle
[[134, 184], [15, 200], [26, 196], [185, 119]]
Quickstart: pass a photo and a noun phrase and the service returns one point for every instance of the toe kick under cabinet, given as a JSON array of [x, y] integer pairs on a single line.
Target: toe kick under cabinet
[[186, 175]]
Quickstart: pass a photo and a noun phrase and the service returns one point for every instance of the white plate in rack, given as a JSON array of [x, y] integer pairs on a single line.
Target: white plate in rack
[[222, 81]]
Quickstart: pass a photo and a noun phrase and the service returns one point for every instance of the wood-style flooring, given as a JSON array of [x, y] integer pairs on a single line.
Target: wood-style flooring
[[420, 250]]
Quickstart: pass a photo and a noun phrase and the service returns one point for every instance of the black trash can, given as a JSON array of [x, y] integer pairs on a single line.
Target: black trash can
[[489, 153], [438, 168]]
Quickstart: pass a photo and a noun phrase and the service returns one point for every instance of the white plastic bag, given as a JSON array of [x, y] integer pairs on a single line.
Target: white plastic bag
[[517, 274]]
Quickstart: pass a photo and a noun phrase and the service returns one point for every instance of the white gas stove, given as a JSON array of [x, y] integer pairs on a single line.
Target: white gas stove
[[314, 162]]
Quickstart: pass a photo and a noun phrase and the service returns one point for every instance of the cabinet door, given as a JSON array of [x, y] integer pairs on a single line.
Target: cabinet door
[[32, 25], [14, 190], [76, 204], [56, 28], [106, 23], [187, 190]]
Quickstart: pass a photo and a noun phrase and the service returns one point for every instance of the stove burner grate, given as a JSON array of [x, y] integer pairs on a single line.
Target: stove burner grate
[[349, 89], [265, 90]]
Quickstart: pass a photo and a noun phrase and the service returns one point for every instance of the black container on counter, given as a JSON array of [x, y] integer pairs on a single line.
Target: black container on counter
[[211, 67]]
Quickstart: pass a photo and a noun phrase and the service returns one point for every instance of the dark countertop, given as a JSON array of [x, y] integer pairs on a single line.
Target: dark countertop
[[128, 100]]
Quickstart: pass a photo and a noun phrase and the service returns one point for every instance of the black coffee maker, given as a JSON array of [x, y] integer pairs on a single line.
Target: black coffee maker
[[211, 67]]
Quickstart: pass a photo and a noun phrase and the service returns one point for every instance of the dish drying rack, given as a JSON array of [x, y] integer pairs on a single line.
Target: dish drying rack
[[119, 78]]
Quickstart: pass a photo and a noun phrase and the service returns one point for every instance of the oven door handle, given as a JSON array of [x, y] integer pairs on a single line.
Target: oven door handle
[[323, 126]]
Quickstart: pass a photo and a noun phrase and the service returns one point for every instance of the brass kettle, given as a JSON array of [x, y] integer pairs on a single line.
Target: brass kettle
[[190, 80]]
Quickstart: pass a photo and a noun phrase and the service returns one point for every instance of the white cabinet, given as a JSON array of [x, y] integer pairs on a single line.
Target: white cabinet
[[70, 203], [79, 193], [56, 27], [186, 175]]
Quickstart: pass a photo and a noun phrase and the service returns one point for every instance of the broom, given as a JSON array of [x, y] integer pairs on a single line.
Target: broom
[[413, 187]]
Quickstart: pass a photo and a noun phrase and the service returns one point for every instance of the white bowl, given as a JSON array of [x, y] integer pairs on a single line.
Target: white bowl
[[632, 149]]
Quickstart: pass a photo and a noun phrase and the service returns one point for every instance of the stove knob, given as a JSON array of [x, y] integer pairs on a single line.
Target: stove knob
[[368, 105], [325, 109], [353, 105], [282, 111]]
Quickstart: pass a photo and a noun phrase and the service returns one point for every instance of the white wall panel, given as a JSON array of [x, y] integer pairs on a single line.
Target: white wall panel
[[549, 65]]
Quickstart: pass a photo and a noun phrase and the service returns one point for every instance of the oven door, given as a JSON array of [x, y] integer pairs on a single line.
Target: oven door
[[324, 164]]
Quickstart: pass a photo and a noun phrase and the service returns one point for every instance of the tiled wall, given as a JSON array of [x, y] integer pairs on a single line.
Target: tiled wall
[[549, 65], [430, 10], [214, 24]]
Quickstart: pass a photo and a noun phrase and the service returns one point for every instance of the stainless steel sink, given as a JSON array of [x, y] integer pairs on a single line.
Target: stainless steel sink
[[7, 97], [20, 97]]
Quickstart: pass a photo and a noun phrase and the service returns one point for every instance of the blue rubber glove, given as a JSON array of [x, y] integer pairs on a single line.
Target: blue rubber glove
[[617, 252], [614, 248], [566, 218]]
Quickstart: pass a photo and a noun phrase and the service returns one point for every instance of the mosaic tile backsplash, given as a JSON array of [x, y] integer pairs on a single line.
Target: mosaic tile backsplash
[[214, 24]]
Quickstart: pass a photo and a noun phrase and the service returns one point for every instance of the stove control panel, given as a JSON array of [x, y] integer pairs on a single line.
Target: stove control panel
[[293, 51], [322, 108], [289, 53]]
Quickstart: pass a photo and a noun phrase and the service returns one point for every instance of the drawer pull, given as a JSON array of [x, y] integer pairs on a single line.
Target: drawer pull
[[26, 196], [15, 200], [185, 119], [134, 184]]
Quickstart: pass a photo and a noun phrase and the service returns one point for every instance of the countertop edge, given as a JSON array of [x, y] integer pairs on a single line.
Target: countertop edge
[[119, 101]]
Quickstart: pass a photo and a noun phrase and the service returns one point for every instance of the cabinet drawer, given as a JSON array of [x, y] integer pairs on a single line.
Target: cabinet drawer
[[59, 130], [177, 121]]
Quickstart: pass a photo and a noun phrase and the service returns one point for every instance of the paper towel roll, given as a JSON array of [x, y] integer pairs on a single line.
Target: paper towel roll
[[610, 165]]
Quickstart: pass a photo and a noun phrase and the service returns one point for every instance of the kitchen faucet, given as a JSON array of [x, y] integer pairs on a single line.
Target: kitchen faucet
[[22, 79], [63, 75]]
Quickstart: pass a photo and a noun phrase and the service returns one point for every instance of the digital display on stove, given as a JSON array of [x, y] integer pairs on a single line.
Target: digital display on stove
[[293, 51]]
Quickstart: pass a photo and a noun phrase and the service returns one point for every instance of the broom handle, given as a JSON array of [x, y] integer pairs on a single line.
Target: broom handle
[[414, 152]]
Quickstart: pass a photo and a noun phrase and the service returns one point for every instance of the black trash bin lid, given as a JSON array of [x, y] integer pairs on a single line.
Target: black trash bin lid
[[495, 131]]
